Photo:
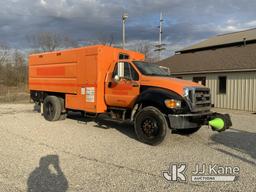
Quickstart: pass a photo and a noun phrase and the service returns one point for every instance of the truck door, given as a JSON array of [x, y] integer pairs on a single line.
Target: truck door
[[124, 91]]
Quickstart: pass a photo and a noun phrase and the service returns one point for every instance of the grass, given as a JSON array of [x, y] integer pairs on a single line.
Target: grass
[[17, 94]]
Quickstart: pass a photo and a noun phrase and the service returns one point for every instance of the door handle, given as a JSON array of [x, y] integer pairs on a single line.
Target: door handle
[[135, 85]]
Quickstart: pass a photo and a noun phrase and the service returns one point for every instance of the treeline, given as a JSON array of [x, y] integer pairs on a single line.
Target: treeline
[[13, 68], [14, 63]]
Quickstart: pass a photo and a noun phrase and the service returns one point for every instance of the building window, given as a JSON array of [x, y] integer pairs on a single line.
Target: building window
[[200, 80], [222, 85]]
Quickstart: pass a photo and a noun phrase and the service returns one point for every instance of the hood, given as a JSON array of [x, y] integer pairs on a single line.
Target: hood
[[173, 84]]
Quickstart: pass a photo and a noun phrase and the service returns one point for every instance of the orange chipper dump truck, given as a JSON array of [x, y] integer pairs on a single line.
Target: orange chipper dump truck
[[101, 79]]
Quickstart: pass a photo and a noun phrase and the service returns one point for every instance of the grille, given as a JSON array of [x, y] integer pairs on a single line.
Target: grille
[[200, 99]]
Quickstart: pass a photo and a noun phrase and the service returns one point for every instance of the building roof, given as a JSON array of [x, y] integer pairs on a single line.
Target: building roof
[[237, 58], [224, 39]]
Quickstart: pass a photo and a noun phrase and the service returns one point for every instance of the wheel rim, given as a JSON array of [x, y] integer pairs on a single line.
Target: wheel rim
[[150, 127]]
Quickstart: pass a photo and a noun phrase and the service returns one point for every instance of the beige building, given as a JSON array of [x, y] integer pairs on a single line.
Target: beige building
[[224, 63]]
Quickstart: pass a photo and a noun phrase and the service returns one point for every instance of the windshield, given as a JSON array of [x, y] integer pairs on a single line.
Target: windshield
[[151, 69]]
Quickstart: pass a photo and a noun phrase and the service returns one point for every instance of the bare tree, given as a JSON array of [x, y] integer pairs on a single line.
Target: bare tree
[[50, 41], [107, 39], [104, 39], [145, 48], [4, 53], [20, 67], [14, 71]]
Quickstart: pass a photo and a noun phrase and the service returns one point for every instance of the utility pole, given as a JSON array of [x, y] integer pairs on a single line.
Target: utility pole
[[160, 29], [124, 18], [160, 47]]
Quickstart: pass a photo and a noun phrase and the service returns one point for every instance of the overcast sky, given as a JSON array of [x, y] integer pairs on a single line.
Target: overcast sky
[[186, 21]]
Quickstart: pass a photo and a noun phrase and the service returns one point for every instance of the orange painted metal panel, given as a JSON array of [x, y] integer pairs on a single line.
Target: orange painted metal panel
[[67, 70]]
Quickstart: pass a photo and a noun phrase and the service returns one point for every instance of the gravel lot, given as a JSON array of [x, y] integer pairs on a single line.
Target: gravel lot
[[109, 158]]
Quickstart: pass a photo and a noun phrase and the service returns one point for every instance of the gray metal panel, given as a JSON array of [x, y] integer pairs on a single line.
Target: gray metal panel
[[251, 96], [254, 93]]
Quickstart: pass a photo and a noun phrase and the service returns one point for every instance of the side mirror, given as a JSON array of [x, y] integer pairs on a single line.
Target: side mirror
[[166, 69], [120, 70]]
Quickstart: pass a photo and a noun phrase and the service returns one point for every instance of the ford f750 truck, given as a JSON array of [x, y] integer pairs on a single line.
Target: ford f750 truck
[[102, 79]]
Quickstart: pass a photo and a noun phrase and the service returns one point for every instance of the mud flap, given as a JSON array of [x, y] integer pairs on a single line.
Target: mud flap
[[220, 122]]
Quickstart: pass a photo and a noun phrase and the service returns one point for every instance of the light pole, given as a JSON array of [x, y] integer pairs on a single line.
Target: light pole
[[160, 47], [124, 17]]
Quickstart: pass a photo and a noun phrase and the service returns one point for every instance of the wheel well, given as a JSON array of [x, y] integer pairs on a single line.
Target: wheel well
[[147, 103], [39, 96], [153, 104]]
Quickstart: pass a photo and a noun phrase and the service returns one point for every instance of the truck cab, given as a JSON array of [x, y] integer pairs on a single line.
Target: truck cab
[[146, 88]]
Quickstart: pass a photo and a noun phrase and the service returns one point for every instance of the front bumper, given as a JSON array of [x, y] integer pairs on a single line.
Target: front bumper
[[188, 121], [195, 120]]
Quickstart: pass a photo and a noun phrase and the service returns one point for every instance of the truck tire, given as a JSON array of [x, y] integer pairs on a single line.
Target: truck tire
[[52, 108], [186, 131], [150, 126]]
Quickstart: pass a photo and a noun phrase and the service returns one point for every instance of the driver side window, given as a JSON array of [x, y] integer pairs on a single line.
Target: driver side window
[[129, 72]]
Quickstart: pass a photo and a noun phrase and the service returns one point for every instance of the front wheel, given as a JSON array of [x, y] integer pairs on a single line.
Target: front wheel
[[150, 126]]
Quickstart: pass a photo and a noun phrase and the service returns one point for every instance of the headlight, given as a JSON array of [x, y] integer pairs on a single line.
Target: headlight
[[172, 103]]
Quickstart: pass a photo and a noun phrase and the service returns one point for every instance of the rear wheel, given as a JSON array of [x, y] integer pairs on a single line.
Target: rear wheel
[[52, 108], [150, 126]]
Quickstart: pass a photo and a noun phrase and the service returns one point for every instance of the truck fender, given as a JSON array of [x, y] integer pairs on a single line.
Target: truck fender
[[154, 97]]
